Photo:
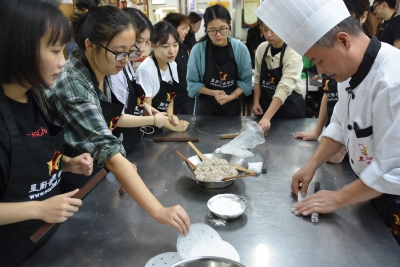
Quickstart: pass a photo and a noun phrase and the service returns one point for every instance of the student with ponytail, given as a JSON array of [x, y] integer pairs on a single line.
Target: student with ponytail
[[130, 93], [89, 111]]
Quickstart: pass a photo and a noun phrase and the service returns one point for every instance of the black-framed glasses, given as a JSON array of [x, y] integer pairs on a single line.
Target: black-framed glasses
[[123, 55], [222, 31], [374, 6]]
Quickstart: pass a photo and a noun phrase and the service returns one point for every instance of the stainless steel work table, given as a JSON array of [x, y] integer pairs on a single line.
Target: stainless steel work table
[[110, 230]]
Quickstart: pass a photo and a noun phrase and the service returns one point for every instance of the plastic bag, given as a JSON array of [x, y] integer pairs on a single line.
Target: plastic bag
[[252, 135]]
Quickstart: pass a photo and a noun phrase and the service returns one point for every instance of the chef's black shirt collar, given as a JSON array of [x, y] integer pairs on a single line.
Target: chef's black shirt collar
[[366, 63]]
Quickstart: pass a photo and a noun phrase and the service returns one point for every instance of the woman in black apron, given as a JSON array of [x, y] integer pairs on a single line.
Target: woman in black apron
[[85, 105], [219, 68], [31, 147], [181, 24], [271, 96], [129, 92], [158, 74]]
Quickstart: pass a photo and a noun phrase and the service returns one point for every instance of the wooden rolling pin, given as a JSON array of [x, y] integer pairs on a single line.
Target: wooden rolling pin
[[234, 135], [176, 139], [81, 193]]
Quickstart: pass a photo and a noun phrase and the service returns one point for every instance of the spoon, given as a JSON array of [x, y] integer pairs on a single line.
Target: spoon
[[186, 160], [201, 156], [238, 176]]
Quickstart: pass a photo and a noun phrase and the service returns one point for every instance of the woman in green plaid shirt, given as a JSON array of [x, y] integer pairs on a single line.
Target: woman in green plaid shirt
[[106, 38]]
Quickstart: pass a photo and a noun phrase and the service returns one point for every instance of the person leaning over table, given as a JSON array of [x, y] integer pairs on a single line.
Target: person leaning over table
[[219, 67], [389, 30], [181, 24], [129, 92], [278, 91], [367, 116], [359, 9], [158, 76], [31, 146], [83, 101]]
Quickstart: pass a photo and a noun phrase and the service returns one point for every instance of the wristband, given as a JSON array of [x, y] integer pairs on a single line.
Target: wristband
[[154, 121], [237, 97]]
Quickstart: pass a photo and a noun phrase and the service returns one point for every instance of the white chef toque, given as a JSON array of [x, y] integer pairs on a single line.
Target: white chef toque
[[301, 23]]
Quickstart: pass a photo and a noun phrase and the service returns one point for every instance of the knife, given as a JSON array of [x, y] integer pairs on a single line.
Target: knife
[[265, 161]]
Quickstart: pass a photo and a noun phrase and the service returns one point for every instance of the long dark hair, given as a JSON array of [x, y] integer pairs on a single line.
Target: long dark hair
[[23, 24], [357, 8], [215, 12], [139, 19], [98, 23]]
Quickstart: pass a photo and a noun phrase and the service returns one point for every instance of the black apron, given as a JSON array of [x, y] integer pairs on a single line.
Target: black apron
[[219, 78], [35, 173], [167, 91], [132, 136], [294, 105], [111, 113], [182, 97]]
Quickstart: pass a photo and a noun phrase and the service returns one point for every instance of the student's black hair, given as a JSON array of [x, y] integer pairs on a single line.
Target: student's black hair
[[390, 3], [139, 19], [194, 17], [99, 24], [212, 13], [161, 33], [357, 8], [176, 19], [23, 24]]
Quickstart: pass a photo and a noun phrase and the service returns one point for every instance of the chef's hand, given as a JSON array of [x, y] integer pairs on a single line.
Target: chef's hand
[[57, 209], [303, 177], [307, 136], [321, 202], [161, 118], [82, 164], [257, 109], [175, 216], [218, 94], [182, 126], [265, 124], [149, 110]]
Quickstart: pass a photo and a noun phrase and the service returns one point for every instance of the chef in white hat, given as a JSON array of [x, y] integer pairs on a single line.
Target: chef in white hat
[[367, 117]]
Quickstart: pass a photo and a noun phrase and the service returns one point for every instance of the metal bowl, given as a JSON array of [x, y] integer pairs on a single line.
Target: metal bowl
[[241, 200], [208, 262], [231, 159]]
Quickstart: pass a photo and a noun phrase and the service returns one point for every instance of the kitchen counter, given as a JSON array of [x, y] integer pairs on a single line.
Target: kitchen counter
[[110, 230]]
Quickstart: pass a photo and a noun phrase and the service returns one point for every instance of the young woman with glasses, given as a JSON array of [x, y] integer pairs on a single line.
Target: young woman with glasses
[[31, 146], [130, 93], [158, 74], [89, 111], [219, 68]]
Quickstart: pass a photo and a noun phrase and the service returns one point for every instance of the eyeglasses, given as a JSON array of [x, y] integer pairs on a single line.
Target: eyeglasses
[[123, 55], [222, 31], [374, 6]]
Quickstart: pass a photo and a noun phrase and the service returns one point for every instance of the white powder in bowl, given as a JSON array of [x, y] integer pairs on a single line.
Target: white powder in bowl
[[225, 206]]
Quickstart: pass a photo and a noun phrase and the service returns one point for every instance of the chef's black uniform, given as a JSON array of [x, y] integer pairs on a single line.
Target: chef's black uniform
[[221, 74], [190, 41], [389, 30], [132, 136], [111, 113], [34, 173], [167, 92], [294, 105], [182, 100]]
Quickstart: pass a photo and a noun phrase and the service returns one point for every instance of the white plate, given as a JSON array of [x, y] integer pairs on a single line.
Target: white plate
[[164, 259]]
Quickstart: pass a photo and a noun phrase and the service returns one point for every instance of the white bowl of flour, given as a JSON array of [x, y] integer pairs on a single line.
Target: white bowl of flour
[[227, 206]]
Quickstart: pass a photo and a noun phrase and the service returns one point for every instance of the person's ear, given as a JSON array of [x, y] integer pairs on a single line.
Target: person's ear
[[90, 47], [151, 45], [344, 40], [364, 17]]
